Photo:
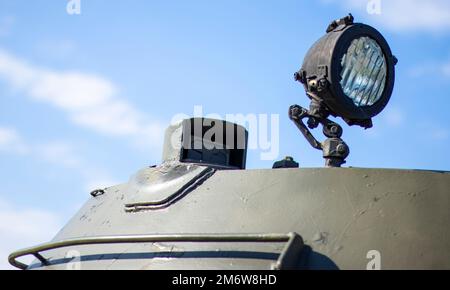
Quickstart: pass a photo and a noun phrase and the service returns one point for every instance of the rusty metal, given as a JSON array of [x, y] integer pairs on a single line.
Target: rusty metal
[[321, 70]]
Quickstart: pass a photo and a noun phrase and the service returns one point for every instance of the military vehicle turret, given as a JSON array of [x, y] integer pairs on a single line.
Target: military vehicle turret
[[200, 208]]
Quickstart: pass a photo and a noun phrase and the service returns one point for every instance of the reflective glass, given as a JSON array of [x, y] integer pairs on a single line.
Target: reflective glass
[[364, 72]]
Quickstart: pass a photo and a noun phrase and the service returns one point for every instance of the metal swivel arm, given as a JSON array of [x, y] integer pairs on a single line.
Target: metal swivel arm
[[334, 149]]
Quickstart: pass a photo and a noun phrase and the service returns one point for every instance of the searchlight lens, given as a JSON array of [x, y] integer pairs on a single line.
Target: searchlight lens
[[363, 72]]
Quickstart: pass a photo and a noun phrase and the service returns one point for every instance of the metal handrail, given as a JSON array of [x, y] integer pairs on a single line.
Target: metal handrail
[[287, 259]]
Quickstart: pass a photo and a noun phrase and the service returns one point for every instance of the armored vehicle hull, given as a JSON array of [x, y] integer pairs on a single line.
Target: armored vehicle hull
[[344, 218]]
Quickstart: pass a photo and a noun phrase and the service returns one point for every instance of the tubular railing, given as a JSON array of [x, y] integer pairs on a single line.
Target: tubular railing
[[286, 260]]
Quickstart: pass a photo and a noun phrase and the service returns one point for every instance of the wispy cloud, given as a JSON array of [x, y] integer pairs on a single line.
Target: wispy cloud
[[393, 117], [57, 153], [10, 141], [440, 134], [63, 154], [59, 49], [22, 227], [434, 131], [89, 100], [446, 69], [402, 15], [436, 68]]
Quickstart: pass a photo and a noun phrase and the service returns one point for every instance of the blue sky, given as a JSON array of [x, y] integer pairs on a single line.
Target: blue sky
[[84, 99]]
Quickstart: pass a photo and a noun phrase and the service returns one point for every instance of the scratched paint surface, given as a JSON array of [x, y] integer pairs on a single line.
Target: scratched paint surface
[[342, 214]]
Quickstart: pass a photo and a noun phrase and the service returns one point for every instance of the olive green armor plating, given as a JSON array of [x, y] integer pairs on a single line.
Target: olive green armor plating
[[186, 215]]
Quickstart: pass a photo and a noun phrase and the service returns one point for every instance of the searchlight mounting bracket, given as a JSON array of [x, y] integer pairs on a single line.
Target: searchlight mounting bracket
[[334, 149]]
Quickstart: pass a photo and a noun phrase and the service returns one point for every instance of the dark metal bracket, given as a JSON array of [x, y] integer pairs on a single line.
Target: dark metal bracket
[[344, 22], [334, 149]]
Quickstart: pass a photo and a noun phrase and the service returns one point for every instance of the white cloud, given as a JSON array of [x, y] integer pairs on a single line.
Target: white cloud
[[435, 68], [23, 227], [434, 131], [65, 155], [58, 153], [59, 49], [393, 117], [10, 141], [403, 15], [89, 100]]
